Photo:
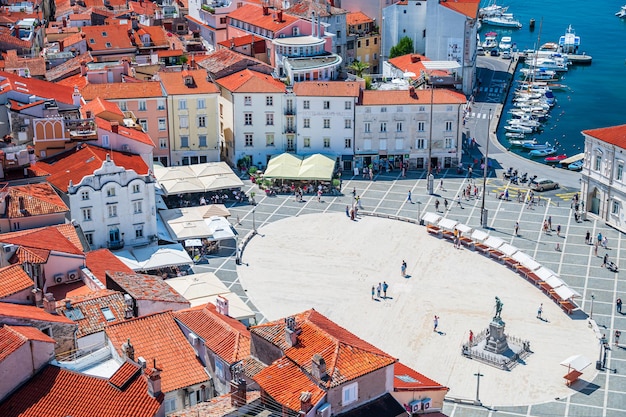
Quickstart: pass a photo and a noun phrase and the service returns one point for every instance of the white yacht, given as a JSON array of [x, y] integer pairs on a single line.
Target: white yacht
[[490, 40], [622, 12], [505, 43]]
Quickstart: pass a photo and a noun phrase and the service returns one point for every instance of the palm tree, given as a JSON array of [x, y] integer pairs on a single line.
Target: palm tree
[[358, 67]]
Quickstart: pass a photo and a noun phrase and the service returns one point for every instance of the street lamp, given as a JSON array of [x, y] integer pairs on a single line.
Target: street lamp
[[593, 297], [419, 211], [253, 221], [478, 375], [483, 211]]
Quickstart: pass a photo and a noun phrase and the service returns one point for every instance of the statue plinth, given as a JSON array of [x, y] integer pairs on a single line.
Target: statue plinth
[[496, 341]]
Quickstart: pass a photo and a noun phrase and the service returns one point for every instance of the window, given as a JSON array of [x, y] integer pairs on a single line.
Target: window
[[139, 232], [183, 122], [105, 141], [201, 121], [307, 123], [169, 405], [163, 143], [219, 369], [449, 143], [110, 192], [598, 162], [182, 104], [419, 143], [367, 127], [326, 105], [269, 139], [326, 123], [142, 105], [306, 104], [383, 109], [350, 394], [162, 125], [222, 20], [86, 214], [136, 188], [221, 110], [89, 238], [367, 42], [248, 139], [383, 126], [247, 101], [160, 104], [620, 172], [399, 144], [108, 45], [448, 126], [108, 314], [382, 144], [347, 143], [137, 207], [184, 141], [269, 101], [348, 105], [84, 195], [247, 119], [201, 103], [327, 142], [202, 141], [144, 124], [112, 210], [307, 142], [615, 207], [398, 126], [269, 119], [422, 108], [421, 126], [375, 41]]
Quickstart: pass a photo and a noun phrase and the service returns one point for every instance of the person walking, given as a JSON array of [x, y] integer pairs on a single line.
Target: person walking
[[471, 338], [516, 228], [347, 211], [437, 205], [408, 198], [403, 268], [605, 242], [385, 287], [617, 335], [445, 203], [558, 230], [373, 291], [435, 323], [605, 260], [550, 222], [595, 249], [618, 304], [358, 202], [458, 201], [539, 311], [378, 289], [319, 196], [587, 237], [354, 192]]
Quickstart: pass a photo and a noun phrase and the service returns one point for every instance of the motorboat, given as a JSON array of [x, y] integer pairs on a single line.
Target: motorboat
[[556, 158], [492, 10], [518, 129], [555, 63], [505, 43], [542, 152], [622, 12], [539, 73], [576, 166], [521, 142], [524, 122], [536, 146], [504, 20], [490, 40], [515, 135], [569, 43]]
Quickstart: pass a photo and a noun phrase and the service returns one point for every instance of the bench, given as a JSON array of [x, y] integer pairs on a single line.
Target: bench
[[496, 254], [510, 262], [484, 249], [433, 230], [568, 306], [466, 241], [448, 235], [572, 376]]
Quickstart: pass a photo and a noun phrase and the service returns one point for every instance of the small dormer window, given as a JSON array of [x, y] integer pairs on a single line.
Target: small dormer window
[[188, 80], [92, 40], [104, 34], [108, 44]]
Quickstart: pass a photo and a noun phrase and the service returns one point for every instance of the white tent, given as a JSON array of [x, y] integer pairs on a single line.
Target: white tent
[[447, 224], [198, 288], [507, 249], [463, 228], [577, 362], [431, 218], [566, 292], [479, 235], [154, 257], [554, 281], [526, 260], [545, 273], [198, 222], [219, 228], [494, 242], [197, 178]]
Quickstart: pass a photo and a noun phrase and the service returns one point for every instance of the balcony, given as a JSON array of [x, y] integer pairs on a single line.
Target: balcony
[[290, 129], [290, 112], [115, 244]]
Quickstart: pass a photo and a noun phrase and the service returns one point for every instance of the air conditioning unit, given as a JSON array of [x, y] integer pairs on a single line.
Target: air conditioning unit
[[193, 339], [324, 410], [415, 406], [8, 248], [58, 278], [72, 276]]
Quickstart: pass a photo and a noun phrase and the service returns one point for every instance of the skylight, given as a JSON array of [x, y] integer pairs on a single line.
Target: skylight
[[74, 314], [108, 314]]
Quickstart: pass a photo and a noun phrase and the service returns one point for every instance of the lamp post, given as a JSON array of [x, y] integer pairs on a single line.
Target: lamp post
[[603, 346], [483, 211], [593, 297], [253, 221], [478, 375], [419, 211]]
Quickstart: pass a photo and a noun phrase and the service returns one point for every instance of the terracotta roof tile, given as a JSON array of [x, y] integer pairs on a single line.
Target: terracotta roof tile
[[91, 305], [247, 81], [157, 337], [33, 200], [36, 66], [130, 133], [68, 68], [147, 8], [408, 379], [284, 381], [614, 135], [216, 407], [61, 393], [10, 341], [14, 279], [303, 8], [253, 15], [347, 356], [146, 287], [399, 97], [31, 333], [99, 106], [124, 374], [67, 230], [116, 37], [241, 41], [39, 88], [76, 80], [101, 260], [467, 8], [113, 91], [223, 335], [358, 18], [31, 313], [33, 256], [409, 63], [47, 238], [74, 165], [225, 62], [174, 83], [327, 88], [157, 34]]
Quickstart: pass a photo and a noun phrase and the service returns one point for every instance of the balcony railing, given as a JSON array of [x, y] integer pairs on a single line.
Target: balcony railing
[[115, 244], [290, 129]]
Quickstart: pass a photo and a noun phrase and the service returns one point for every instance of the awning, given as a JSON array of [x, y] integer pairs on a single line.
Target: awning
[[507, 249], [431, 218], [545, 273], [198, 288], [447, 224], [494, 242], [317, 167], [566, 292], [526, 260], [197, 222], [577, 362], [196, 178], [283, 166], [463, 228], [554, 281], [479, 235], [193, 243], [154, 257]]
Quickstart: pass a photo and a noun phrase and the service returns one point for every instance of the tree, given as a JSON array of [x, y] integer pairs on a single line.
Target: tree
[[358, 67], [404, 46]]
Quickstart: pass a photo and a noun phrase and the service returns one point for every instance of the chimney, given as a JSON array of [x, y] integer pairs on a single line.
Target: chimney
[[318, 367], [37, 296], [238, 396], [22, 205], [280, 16], [154, 381], [412, 92], [77, 98], [266, 11], [128, 350], [68, 304], [48, 303], [64, 22], [305, 402], [115, 127], [291, 333]]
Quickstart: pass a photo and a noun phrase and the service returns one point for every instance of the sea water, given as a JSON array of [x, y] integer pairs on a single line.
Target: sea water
[[595, 95]]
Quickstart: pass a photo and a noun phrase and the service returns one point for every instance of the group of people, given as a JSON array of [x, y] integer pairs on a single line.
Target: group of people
[[377, 289]]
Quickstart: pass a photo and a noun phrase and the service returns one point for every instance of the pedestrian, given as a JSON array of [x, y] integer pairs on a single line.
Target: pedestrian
[[545, 227], [352, 214], [378, 289], [437, 205], [550, 222], [373, 291], [539, 311], [617, 335], [506, 195], [408, 198], [319, 196], [471, 338], [347, 211], [605, 242], [371, 174], [587, 237], [445, 203], [469, 172], [618, 304], [599, 238], [441, 185], [385, 286], [605, 260], [557, 247], [558, 230], [403, 268], [435, 323], [354, 192], [516, 228], [358, 202], [595, 249]]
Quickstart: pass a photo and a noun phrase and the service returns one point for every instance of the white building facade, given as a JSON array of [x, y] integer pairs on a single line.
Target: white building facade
[[115, 207]]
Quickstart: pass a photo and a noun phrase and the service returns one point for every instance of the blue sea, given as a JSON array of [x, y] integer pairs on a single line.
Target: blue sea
[[595, 96]]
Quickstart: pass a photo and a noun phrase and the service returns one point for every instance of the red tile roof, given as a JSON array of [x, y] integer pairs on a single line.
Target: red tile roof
[[358, 18], [99, 106], [399, 97], [36, 66], [174, 82], [91, 305], [130, 133], [614, 135], [146, 287], [69, 67], [31, 333], [409, 63], [98, 37], [67, 230], [56, 392], [304, 9], [408, 379], [347, 356], [14, 279], [74, 165], [157, 34], [48, 238], [284, 381], [247, 81], [216, 406], [124, 374], [39, 88], [101, 260], [113, 91], [143, 8], [468, 8], [253, 15], [327, 88], [33, 256], [223, 335], [30, 313], [12, 337], [33, 200], [157, 336], [241, 41]]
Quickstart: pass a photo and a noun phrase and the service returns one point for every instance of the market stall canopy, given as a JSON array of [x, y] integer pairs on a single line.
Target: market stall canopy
[[198, 288], [447, 224], [526, 260], [154, 257], [507, 249], [283, 166], [545, 273], [197, 178], [566, 292], [577, 362], [463, 228], [432, 218], [287, 166], [220, 229], [479, 235], [494, 242], [554, 281], [201, 222]]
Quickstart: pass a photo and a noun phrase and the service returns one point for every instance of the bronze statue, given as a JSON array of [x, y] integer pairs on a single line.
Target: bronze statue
[[499, 305]]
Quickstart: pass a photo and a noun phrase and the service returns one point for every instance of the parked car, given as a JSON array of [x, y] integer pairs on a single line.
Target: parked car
[[480, 51], [543, 184], [506, 54], [494, 52]]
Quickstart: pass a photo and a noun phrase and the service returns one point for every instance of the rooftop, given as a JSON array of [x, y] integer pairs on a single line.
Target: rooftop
[[358, 18], [220, 406], [157, 337], [327, 88], [115, 91], [36, 87], [174, 83], [33, 200], [146, 287], [14, 279], [248, 81], [253, 15], [421, 97], [93, 311], [101, 260], [44, 239], [614, 135], [31, 313], [107, 38]]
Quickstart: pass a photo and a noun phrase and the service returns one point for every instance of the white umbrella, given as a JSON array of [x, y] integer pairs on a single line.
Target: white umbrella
[[447, 224], [577, 362], [479, 235], [432, 218]]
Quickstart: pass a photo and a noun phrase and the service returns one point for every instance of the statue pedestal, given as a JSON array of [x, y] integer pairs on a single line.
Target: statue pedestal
[[496, 341]]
